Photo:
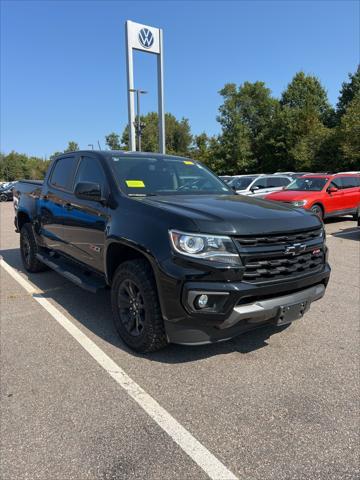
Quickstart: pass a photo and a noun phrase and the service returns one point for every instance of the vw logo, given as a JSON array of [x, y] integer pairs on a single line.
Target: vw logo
[[146, 38]]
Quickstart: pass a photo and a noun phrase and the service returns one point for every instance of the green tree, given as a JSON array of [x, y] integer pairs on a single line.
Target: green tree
[[15, 166], [178, 136], [113, 141], [349, 136], [348, 92], [201, 147], [72, 147], [305, 92], [233, 149]]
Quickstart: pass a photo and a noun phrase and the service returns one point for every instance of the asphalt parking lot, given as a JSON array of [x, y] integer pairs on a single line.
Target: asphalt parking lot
[[271, 404]]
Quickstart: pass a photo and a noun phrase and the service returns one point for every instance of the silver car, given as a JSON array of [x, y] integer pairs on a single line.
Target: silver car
[[259, 185]]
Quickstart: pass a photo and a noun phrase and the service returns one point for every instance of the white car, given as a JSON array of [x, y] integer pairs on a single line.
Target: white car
[[259, 185]]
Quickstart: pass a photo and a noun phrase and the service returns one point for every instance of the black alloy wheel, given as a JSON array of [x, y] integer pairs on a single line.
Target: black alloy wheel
[[135, 305], [131, 307]]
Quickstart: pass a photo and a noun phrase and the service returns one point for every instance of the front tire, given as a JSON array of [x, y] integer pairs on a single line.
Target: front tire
[[3, 197], [28, 249], [317, 210], [136, 309]]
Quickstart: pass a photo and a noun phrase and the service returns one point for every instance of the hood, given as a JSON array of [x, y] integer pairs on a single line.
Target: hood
[[233, 214], [292, 195]]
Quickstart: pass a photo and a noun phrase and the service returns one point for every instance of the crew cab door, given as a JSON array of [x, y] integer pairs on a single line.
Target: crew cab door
[[87, 219], [54, 203]]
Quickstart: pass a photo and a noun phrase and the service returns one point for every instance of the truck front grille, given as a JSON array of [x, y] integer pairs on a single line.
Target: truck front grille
[[274, 239], [265, 258]]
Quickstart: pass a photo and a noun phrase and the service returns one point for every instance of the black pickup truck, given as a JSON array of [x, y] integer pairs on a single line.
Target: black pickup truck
[[188, 261]]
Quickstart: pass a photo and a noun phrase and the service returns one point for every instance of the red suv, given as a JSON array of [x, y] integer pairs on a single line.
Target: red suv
[[325, 195]]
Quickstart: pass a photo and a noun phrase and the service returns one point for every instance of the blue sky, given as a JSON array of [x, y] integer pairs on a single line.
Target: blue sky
[[63, 62]]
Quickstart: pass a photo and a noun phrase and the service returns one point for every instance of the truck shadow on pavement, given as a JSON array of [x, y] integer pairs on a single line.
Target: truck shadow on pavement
[[93, 311], [351, 233], [348, 234]]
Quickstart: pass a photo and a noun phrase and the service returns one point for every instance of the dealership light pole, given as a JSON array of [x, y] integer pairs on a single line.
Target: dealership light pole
[[138, 125]]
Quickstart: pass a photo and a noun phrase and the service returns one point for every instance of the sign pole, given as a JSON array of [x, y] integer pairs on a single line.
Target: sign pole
[[130, 90], [161, 113]]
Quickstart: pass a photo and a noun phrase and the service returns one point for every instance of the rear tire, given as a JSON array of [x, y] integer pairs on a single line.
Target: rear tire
[[29, 249], [317, 210], [3, 197], [136, 309]]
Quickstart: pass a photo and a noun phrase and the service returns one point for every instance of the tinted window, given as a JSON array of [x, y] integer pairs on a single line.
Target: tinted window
[[261, 183], [302, 184], [90, 170], [278, 182], [63, 173], [350, 182], [241, 183], [337, 183]]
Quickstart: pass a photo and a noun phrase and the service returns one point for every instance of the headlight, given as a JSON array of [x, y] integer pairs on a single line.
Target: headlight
[[214, 248], [323, 234], [299, 203]]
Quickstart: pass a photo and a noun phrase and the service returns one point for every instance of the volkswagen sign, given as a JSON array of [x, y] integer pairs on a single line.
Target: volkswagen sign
[[146, 38]]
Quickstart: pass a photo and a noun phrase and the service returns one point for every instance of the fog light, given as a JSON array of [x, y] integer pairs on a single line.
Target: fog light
[[202, 301]]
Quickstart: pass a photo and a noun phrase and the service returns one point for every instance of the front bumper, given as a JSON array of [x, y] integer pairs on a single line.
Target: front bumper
[[249, 307]]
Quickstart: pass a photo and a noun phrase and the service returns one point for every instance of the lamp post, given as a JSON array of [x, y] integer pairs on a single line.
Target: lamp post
[[138, 125]]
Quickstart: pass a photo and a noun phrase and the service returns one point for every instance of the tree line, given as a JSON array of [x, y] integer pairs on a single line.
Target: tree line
[[300, 131]]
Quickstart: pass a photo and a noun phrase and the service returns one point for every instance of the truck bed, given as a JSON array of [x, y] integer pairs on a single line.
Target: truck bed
[[29, 191]]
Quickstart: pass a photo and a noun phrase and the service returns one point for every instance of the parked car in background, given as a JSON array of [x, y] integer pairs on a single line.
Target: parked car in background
[[225, 178], [292, 174], [324, 195], [259, 185], [6, 191]]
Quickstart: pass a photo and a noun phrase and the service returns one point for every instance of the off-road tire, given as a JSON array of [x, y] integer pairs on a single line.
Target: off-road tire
[[152, 336], [29, 249]]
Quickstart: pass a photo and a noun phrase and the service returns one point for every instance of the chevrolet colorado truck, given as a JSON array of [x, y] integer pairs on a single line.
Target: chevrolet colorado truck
[[187, 259]]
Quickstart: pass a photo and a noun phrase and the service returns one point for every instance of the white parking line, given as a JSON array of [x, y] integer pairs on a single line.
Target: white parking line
[[196, 451]]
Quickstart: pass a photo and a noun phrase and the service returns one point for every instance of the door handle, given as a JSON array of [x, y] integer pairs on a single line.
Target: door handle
[[68, 206]]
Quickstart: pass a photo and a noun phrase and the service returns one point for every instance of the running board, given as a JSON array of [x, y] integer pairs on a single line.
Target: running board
[[86, 280]]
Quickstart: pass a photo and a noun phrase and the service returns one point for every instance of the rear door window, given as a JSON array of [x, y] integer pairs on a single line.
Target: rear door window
[[350, 182], [260, 183], [62, 175], [277, 182]]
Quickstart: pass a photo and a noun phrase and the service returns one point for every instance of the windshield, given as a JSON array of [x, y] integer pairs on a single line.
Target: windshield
[[139, 176], [313, 184], [241, 183]]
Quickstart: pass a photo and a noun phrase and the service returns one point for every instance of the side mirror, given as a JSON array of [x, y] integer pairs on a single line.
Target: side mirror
[[89, 191], [253, 189], [233, 188], [332, 189]]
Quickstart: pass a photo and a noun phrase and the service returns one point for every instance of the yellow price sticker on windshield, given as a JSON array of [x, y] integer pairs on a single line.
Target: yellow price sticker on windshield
[[187, 162], [135, 183]]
